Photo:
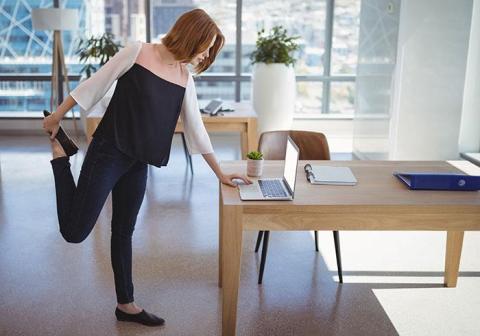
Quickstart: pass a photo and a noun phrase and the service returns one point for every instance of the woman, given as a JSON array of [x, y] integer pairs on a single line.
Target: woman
[[154, 87]]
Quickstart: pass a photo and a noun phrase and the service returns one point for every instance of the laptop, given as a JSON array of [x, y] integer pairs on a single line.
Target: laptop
[[275, 189]]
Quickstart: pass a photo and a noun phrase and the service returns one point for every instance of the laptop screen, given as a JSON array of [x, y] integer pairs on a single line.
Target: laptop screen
[[291, 162]]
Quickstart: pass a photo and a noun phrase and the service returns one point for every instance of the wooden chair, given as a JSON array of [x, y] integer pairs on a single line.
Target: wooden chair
[[312, 146]]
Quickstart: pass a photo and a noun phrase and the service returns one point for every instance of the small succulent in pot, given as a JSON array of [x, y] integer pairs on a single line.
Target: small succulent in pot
[[255, 155], [254, 164]]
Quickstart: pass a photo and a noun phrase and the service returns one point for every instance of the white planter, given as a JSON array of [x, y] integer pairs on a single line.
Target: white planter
[[273, 96], [254, 167]]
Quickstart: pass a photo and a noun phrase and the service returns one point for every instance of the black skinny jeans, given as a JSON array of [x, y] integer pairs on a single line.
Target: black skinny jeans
[[104, 169]]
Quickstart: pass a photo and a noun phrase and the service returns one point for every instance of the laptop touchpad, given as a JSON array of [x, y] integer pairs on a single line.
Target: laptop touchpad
[[250, 190]]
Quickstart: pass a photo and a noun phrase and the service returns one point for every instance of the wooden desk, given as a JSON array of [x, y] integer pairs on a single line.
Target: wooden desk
[[378, 202], [242, 120]]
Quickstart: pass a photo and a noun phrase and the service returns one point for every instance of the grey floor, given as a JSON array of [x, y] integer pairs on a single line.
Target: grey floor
[[49, 287]]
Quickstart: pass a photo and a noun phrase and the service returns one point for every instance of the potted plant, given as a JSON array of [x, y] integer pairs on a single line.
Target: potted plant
[[95, 52], [254, 164], [273, 81], [96, 49]]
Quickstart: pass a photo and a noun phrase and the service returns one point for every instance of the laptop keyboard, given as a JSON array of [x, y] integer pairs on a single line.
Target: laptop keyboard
[[271, 188]]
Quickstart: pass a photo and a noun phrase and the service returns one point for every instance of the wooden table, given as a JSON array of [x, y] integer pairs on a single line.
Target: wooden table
[[378, 202], [242, 120]]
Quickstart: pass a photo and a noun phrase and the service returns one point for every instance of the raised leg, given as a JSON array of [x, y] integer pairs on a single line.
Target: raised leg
[[264, 256], [78, 206], [259, 240], [232, 254], [452, 257], [336, 240]]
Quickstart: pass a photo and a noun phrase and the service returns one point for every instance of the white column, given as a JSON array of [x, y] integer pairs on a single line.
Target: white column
[[429, 79]]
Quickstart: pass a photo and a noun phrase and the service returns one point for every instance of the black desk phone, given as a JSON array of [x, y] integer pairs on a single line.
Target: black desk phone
[[213, 107]]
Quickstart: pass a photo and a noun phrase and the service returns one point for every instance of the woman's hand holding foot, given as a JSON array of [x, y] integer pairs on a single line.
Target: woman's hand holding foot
[[51, 124]]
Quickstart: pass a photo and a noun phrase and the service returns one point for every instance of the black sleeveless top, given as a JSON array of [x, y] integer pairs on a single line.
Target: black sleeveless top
[[142, 114]]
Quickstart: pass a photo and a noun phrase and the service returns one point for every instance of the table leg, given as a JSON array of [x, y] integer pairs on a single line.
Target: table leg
[[220, 234], [232, 241], [452, 257], [252, 134], [244, 143]]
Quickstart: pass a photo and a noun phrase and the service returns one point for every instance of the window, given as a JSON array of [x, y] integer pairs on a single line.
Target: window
[[164, 13], [346, 23], [342, 96], [325, 68], [326, 64], [345, 37], [25, 64], [26, 98], [305, 19], [208, 90]]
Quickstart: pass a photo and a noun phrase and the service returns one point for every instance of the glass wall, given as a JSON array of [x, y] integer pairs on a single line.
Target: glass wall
[[325, 68]]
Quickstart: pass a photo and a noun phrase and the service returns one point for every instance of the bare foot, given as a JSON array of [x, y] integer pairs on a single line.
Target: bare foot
[[129, 308], [57, 150]]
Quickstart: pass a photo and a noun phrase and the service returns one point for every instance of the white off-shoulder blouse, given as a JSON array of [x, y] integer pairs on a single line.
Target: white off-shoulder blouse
[[145, 101]]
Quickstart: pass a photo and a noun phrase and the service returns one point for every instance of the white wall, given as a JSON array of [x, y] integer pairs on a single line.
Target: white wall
[[469, 138], [429, 79]]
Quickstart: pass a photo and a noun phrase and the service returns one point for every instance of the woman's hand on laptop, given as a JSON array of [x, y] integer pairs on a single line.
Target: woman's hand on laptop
[[228, 179]]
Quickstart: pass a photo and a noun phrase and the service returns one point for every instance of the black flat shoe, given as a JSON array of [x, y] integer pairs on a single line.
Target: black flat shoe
[[69, 147], [143, 317]]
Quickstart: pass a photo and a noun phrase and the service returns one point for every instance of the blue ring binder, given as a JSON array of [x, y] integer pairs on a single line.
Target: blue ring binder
[[439, 181]]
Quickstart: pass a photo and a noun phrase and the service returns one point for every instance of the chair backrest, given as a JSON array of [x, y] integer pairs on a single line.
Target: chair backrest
[[312, 145]]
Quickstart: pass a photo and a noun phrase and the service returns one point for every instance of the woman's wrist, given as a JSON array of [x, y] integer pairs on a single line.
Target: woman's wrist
[[58, 116], [64, 107], [212, 162]]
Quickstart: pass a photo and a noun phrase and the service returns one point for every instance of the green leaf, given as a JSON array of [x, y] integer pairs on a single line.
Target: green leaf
[[96, 50], [275, 47]]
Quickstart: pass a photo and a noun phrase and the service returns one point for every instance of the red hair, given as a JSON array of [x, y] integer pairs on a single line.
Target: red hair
[[191, 35]]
